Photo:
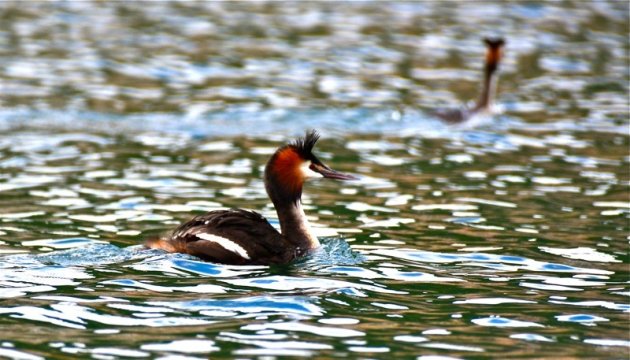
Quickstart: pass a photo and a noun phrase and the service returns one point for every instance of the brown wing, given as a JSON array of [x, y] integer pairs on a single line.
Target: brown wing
[[233, 236]]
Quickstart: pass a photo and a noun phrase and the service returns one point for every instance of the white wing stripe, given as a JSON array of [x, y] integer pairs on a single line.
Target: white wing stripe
[[225, 243]]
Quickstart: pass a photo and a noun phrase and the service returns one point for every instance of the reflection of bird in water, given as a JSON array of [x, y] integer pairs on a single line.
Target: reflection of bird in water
[[238, 236], [488, 89]]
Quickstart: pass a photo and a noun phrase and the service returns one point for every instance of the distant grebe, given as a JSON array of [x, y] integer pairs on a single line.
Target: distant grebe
[[238, 236], [488, 87]]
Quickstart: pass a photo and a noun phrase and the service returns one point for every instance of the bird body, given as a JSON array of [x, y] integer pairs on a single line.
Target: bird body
[[237, 236], [225, 236]]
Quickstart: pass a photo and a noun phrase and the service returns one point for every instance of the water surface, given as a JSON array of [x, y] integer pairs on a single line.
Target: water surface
[[508, 238]]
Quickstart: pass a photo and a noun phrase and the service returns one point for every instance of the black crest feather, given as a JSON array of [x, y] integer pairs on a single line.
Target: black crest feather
[[494, 43], [304, 145]]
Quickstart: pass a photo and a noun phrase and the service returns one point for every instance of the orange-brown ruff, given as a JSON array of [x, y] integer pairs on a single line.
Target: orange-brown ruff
[[238, 236], [494, 53], [286, 165]]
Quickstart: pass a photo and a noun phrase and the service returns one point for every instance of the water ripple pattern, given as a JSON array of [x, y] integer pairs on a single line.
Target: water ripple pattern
[[506, 238]]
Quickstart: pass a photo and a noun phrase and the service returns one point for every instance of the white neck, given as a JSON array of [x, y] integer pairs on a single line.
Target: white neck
[[295, 226]]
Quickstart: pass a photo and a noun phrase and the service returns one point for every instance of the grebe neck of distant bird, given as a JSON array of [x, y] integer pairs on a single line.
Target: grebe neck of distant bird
[[490, 74], [488, 88]]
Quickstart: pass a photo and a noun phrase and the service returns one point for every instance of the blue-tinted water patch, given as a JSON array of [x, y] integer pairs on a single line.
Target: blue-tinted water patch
[[465, 220], [529, 10], [313, 284], [264, 281], [502, 223], [497, 321], [486, 260], [156, 287], [198, 267], [74, 316], [513, 259], [62, 243], [289, 305], [531, 337], [345, 269], [333, 251], [293, 123], [581, 318], [122, 282], [557, 267], [91, 255]]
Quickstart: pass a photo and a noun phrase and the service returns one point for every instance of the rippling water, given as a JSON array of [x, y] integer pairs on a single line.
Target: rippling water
[[504, 239]]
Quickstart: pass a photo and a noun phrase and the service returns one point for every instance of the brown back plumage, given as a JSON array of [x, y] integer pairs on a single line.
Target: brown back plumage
[[246, 228]]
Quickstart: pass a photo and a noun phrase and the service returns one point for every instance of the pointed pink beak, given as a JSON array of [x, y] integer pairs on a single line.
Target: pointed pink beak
[[330, 173]]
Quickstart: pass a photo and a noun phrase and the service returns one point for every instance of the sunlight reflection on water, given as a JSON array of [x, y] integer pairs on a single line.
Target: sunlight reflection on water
[[119, 121]]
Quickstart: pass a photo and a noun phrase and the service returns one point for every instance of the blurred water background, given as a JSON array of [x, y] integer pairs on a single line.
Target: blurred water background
[[119, 120]]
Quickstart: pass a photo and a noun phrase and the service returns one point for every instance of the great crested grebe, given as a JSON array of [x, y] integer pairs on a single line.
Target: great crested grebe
[[238, 236], [488, 88]]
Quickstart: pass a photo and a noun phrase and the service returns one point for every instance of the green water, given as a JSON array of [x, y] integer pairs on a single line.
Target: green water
[[504, 239]]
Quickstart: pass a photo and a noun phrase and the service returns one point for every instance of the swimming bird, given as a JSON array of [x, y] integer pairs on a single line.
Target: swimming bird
[[494, 53], [238, 236]]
